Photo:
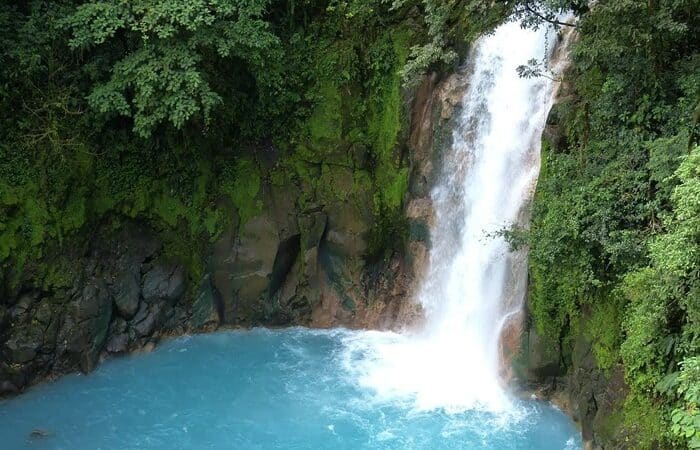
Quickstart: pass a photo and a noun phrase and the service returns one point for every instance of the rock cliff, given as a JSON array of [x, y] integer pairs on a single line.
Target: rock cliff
[[290, 263]]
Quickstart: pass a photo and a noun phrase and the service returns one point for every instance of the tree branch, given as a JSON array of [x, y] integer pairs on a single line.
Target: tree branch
[[552, 21]]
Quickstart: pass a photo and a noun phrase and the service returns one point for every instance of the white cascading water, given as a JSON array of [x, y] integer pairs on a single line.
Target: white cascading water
[[474, 283]]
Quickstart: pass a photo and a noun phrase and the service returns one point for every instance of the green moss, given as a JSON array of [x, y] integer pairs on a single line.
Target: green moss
[[212, 220], [340, 144], [393, 189], [386, 120], [74, 216], [58, 273], [241, 182], [326, 122], [612, 422], [186, 251], [25, 227], [385, 123], [549, 318], [9, 236], [644, 422], [604, 329], [169, 209]]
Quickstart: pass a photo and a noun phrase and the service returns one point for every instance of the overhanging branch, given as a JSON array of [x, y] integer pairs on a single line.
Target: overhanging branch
[[546, 19]]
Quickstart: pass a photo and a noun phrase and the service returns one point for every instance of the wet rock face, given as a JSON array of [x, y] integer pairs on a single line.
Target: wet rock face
[[571, 378], [163, 282], [309, 265], [596, 397], [109, 308], [293, 263], [125, 292], [242, 266], [27, 340], [207, 308], [84, 334], [265, 271]]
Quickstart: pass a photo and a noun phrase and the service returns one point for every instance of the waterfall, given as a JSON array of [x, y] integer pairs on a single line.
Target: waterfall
[[474, 284]]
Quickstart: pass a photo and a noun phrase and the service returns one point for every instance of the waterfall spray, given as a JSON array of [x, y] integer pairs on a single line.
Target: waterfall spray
[[474, 283]]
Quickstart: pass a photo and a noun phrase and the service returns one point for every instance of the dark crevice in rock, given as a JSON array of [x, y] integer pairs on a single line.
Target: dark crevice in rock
[[218, 302], [287, 254]]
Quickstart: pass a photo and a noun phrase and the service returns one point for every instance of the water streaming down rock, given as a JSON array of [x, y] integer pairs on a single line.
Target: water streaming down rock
[[475, 285]]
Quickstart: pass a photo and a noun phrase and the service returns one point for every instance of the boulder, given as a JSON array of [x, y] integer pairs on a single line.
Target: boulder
[[118, 326], [33, 331], [7, 387], [20, 351], [164, 281], [242, 266], [206, 307], [146, 326], [148, 347], [144, 321], [43, 312], [126, 290], [118, 343], [86, 326], [20, 312], [13, 377]]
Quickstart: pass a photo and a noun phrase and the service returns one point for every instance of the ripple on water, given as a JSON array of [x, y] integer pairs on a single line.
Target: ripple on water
[[262, 389]]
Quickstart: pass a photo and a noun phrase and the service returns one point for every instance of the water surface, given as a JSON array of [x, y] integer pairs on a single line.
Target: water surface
[[259, 389]]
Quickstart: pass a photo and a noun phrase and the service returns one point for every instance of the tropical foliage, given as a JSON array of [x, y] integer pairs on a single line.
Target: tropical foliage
[[156, 110], [616, 223]]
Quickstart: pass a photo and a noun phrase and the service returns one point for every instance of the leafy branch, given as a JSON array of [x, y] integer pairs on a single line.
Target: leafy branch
[[536, 69]]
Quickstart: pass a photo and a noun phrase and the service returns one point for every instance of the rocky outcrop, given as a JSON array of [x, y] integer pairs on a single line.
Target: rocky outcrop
[[591, 396], [266, 270], [291, 262], [309, 264], [306, 266], [124, 294]]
